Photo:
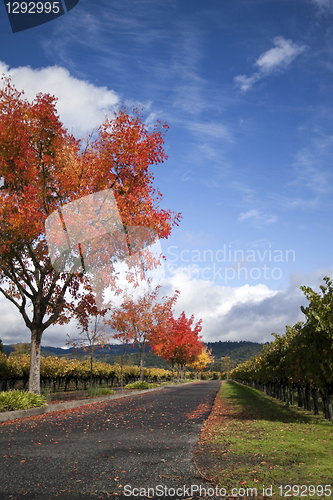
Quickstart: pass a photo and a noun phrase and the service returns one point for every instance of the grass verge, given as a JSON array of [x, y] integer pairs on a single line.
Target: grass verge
[[20, 400], [251, 441], [99, 391], [140, 385]]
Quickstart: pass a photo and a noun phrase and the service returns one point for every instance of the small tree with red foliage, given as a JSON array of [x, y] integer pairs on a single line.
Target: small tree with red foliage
[[136, 321], [178, 341]]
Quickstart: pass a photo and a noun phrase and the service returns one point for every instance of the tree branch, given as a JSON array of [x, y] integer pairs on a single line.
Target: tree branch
[[20, 307], [56, 307]]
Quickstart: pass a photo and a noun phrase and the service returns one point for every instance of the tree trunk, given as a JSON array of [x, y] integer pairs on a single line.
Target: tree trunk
[[329, 390], [307, 397], [122, 373], [328, 405], [91, 368], [141, 365], [300, 396], [34, 376], [315, 401], [122, 368]]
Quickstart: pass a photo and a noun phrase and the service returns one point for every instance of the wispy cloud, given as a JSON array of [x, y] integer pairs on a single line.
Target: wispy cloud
[[275, 59], [310, 174], [188, 175], [248, 194], [323, 5], [210, 130], [311, 186], [257, 217]]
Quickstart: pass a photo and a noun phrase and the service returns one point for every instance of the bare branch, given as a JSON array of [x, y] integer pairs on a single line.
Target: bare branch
[[21, 307]]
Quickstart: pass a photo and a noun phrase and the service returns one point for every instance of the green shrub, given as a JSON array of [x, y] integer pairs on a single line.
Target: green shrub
[[47, 394], [140, 385], [99, 391], [20, 400]]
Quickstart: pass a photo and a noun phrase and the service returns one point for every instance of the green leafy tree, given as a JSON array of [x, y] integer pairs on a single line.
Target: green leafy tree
[[227, 365], [317, 335], [21, 348]]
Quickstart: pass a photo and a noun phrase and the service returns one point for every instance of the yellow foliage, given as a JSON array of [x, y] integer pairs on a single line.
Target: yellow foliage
[[204, 358]]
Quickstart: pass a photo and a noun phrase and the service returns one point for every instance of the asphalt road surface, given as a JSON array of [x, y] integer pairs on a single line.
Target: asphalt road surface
[[135, 447]]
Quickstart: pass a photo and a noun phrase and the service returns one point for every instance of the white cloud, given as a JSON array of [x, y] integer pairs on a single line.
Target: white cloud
[[279, 57], [229, 313], [242, 313], [284, 52], [248, 215], [246, 82], [81, 105], [13, 329], [257, 217]]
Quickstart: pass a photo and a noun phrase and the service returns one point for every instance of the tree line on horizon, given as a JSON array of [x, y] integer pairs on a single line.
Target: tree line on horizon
[[238, 351]]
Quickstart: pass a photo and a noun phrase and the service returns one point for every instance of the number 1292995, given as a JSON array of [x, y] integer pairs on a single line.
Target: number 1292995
[[305, 491], [33, 7]]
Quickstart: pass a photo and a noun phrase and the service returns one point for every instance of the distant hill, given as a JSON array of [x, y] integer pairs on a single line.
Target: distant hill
[[115, 349], [238, 352]]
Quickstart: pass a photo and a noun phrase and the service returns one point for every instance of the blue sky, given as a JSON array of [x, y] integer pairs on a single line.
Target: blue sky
[[246, 88]]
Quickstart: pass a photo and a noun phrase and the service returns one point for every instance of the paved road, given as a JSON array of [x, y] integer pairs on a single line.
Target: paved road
[[114, 449]]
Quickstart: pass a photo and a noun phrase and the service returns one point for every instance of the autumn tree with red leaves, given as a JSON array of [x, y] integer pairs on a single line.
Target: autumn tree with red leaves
[[137, 320], [178, 341], [43, 168]]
